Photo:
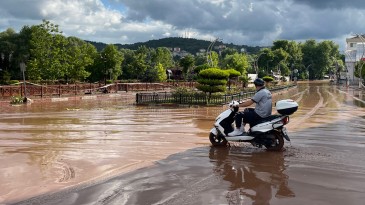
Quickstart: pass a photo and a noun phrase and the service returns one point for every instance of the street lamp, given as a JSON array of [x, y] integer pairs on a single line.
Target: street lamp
[[348, 76], [337, 70], [2, 60], [295, 75], [110, 73], [22, 68], [278, 71], [209, 52], [278, 68], [307, 69], [256, 64], [267, 66], [103, 58]]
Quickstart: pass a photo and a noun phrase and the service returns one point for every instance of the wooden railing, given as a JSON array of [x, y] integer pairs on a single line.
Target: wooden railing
[[43, 91]]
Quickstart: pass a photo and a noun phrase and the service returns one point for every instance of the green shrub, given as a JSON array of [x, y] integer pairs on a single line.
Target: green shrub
[[17, 100], [212, 89], [12, 82], [233, 73], [212, 82], [181, 90], [214, 73], [268, 78], [199, 68]]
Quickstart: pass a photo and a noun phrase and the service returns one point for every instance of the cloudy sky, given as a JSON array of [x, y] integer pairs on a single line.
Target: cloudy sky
[[243, 22]]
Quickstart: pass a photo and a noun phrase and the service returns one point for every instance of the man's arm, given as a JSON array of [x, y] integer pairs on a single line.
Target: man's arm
[[246, 103]]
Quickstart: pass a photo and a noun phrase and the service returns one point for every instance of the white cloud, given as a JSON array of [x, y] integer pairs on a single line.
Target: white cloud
[[236, 21], [250, 7]]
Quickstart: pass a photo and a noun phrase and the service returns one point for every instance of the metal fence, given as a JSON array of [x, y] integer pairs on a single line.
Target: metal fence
[[168, 97]]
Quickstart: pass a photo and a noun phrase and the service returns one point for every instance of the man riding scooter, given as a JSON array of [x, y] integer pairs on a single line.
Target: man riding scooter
[[263, 107]]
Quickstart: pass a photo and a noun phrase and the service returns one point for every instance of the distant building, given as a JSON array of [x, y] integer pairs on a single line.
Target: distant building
[[251, 77], [178, 52], [201, 52], [355, 51]]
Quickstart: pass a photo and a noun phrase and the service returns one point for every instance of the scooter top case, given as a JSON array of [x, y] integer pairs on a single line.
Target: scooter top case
[[286, 107]]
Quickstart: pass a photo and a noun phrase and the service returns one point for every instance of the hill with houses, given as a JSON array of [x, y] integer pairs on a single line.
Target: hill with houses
[[189, 45]]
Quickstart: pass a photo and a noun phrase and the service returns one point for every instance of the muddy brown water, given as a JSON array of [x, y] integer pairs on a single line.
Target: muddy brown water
[[104, 152]]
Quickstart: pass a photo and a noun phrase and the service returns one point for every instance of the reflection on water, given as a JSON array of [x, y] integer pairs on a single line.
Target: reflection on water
[[258, 176]]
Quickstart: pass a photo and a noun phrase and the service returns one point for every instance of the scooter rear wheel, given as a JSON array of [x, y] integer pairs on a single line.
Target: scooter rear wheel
[[277, 142], [217, 140]]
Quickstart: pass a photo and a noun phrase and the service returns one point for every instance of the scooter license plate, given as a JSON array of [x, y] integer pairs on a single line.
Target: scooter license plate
[[285, 133]]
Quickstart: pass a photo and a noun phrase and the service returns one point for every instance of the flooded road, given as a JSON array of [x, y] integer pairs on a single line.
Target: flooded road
[[108, 153]]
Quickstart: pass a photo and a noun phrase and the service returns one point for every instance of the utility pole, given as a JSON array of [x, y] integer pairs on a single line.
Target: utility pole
[[22, 68]]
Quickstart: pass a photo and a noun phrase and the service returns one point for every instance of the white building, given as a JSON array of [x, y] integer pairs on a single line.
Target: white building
[[355, 51]]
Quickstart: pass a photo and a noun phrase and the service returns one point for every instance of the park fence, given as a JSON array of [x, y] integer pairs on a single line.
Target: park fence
[[197, 98], [32, 90]]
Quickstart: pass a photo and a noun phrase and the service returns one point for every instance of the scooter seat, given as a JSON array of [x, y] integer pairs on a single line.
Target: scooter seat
[[266, 119]]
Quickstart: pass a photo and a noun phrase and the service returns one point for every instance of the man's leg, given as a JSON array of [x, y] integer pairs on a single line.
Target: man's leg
[[239, 130], [238, 119]]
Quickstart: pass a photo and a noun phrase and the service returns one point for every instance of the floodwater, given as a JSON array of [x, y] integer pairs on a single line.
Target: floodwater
[[104, 152]]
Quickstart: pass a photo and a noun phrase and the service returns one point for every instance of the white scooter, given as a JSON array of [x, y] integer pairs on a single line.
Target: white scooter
[[270, 132]]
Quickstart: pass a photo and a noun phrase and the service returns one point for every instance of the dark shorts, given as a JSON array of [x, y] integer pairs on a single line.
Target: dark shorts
[[249, 116]]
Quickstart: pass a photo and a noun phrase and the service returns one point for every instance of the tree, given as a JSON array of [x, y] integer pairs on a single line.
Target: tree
[[213, 59], [199, 68], [80, 55], [244, 80], [228, 51], [360, 68], [7, 48], [162, 56], [237, 61], [151, 74], [319, 56], [140, 63], [280, 60], [161, 73], [308, 49], [128, 69], [112, 60], [47, 47], [212, 80], [200, 60], [232, 74], [266, 61], [186, 62], [294, 57]]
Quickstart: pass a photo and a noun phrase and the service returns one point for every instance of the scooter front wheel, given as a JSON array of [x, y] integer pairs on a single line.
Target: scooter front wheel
[[217, 140]]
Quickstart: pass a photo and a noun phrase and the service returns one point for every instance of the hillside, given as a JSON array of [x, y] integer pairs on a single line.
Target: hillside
[[188, 44]]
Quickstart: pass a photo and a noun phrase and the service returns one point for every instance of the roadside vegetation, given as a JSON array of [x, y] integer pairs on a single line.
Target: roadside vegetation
[[51, 57]]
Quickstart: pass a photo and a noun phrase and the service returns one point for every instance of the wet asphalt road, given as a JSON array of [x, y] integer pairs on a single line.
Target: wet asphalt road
[[323, 164]]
